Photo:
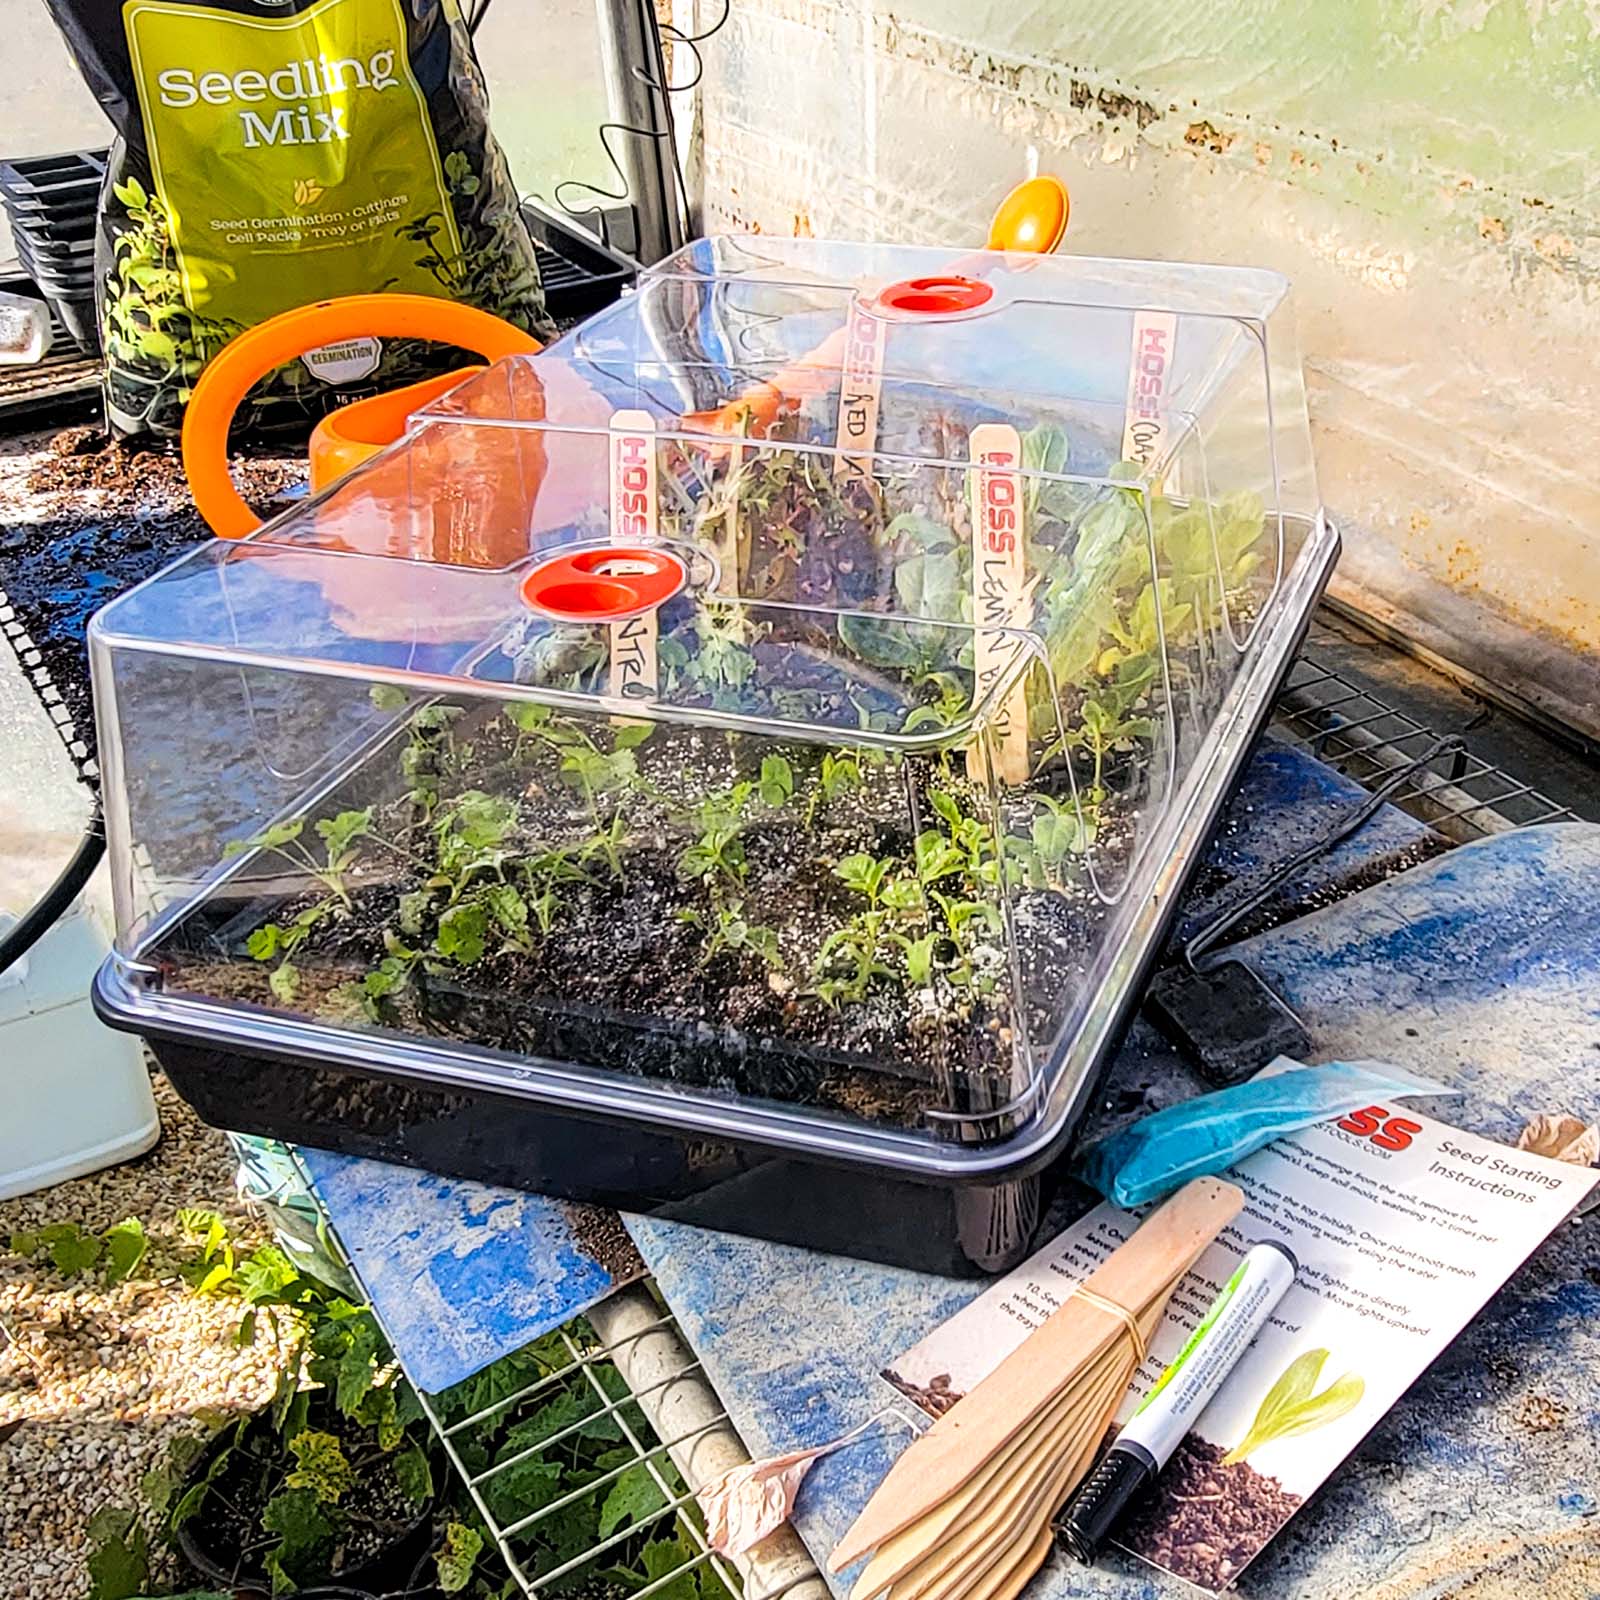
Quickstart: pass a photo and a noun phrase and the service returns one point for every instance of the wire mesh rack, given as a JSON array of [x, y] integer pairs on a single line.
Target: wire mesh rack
[[1346, 724], [623, 1375], [582, 1396]]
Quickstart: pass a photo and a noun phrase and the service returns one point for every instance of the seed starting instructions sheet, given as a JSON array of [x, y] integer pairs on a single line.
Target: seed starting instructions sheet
[[1403, 1228]]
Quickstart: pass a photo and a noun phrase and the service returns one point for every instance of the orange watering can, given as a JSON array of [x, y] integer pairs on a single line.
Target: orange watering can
[[349, 436], [1031, 219]]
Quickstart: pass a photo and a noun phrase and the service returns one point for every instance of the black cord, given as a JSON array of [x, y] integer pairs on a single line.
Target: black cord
[[1352, 822], [60, 895], [655, 81]]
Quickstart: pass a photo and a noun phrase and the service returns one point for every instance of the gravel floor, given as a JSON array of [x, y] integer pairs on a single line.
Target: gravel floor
[[102, 1378]]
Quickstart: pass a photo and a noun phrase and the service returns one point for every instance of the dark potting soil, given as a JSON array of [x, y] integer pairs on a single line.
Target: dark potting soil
[[624, 980], [378, 1514], [601, 1234], [1204, 1521], [92, 519]]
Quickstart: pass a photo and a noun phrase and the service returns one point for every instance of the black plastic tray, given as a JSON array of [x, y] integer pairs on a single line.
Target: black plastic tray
[[580, 275], [50, 202], [51, 183]]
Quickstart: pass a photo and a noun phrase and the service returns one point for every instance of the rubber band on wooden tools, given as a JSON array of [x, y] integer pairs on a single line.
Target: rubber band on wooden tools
[[1122, 1314], [964, 1514]]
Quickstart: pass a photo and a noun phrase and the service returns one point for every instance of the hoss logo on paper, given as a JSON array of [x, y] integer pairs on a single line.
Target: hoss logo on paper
[[1385, 1131]]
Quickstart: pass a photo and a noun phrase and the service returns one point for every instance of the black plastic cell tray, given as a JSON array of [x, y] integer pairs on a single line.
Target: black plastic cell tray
[[580, 276], [49, 183]]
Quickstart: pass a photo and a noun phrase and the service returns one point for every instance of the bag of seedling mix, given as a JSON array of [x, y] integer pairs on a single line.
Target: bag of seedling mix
[[270, 153]]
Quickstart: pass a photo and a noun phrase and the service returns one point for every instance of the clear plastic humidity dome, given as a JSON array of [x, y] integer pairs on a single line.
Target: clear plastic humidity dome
[[757, 740]]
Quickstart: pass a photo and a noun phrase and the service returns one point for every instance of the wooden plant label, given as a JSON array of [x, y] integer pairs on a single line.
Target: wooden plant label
[[860, 389], [999, 590], [633, 674], [1145, 426]]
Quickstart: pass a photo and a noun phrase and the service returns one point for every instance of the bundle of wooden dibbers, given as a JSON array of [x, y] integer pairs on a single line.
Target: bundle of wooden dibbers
[[965, 1513]]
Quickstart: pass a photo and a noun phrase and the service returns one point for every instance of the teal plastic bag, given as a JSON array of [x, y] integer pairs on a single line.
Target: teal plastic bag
[[1212, 1132]]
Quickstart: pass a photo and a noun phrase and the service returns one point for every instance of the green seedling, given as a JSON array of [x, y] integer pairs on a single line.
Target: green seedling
[[338, 835], [718, 851], [470, 835], [776, 785], [839, 775], [728, 928]]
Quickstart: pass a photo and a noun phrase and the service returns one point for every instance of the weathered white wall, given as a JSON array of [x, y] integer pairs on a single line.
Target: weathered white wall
[[1425, 171]]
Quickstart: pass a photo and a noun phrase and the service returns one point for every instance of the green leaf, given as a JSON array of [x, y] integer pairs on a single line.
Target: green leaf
[[265, 942], [305, 1536], [463, 931], [919, 959], [160, 1482], [266, 1276], [507, 907], [777, 781], [204, 1228], [903, 894], [862, 873], [929, 585], [663, 1556], [1291, 1407], [358, 1361], [119, 1556], [25, 1244], [386, 697], [456, 1557], [936, 857], [320, 1466], [413, 1474], [413, 908], [522, 1489], [280, 834], [633, 735], [125, 1244], [946, 807], [285, 982], [72, 1250], [526, 716], [634, 1497], [481, 820], [342, 831]]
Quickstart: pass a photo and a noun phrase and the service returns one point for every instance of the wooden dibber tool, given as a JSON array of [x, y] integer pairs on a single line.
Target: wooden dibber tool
[[964, 1513]]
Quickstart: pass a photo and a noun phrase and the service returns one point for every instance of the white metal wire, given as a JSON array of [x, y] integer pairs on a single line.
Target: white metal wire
[[678, 1506]]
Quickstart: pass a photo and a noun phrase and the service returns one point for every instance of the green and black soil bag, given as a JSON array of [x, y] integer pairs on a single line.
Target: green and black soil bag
[[270, 153]]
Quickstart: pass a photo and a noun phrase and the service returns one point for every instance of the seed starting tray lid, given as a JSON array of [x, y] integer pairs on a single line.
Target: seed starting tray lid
[[856, 639]]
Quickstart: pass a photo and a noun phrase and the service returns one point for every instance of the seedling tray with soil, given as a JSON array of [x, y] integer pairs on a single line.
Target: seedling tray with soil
[[859, 872]]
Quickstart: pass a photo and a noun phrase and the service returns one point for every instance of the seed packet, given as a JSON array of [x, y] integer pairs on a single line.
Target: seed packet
[[271, 153]]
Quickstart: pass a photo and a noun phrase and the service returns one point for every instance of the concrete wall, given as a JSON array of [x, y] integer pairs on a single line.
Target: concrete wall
[[1425, 171]]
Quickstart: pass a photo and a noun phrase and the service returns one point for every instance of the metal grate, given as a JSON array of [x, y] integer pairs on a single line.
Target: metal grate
[[590, 1385], [1346, 725]]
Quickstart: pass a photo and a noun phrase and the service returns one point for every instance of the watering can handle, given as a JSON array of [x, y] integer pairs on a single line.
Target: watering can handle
[[244, 361]]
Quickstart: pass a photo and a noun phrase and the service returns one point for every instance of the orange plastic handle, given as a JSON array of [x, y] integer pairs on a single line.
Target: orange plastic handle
[[243, 362]]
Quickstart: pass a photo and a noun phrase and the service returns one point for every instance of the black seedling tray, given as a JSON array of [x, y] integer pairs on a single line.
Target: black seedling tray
[[50, 242], [50, 202], [580, 275], [56, 185]]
